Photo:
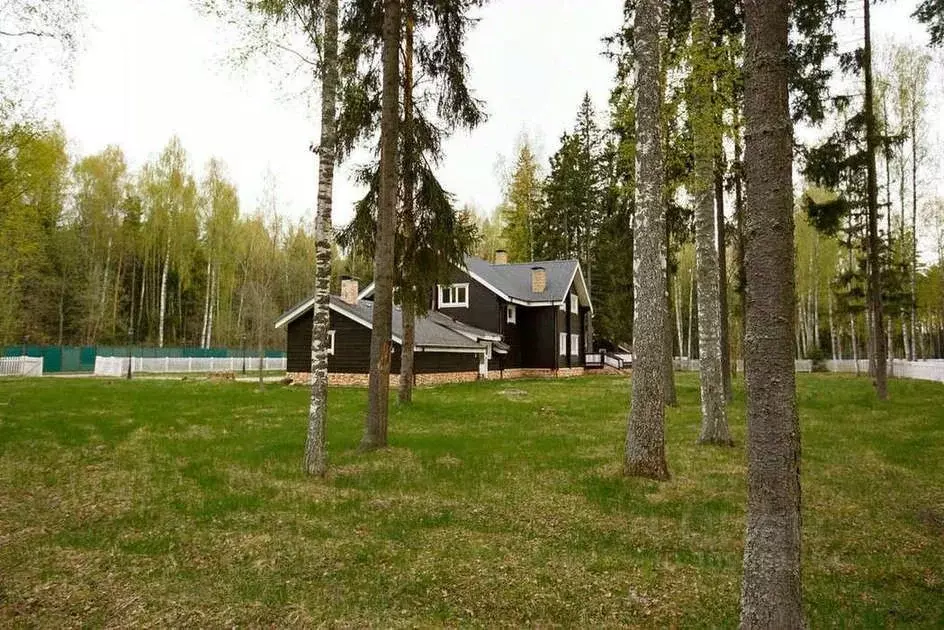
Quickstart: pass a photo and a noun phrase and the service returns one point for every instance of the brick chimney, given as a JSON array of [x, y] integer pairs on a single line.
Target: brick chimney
[[501, 257], [538, 279], [349, 289]]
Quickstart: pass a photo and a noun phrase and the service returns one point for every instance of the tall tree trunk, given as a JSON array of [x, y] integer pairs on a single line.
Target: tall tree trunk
[[213, 305], [206, 308], [833, 341], [875, 270], [739, 212], [691, 311], [855, 343], [316, 457], [645, 433], [163, 308], [678, 317], [914, 232], [723, 279], [714, 422], [771, 595], [375, 426], [409, 229], [671, 395]]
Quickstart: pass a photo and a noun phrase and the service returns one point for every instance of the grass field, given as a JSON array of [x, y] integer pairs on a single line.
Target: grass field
[[182, 504]]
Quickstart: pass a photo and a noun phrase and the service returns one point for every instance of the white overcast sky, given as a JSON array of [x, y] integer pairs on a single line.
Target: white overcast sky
[[152, 68]]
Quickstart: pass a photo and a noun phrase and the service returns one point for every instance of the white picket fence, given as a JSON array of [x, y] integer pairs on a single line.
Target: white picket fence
[[21, 366], [930, 370], [118, 366], [922, 370]]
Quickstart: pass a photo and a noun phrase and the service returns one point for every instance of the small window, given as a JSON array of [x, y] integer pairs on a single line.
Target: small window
[[512, 314], [575, 345], [574, 303], [330, 342], [563, 344], [454, 296]]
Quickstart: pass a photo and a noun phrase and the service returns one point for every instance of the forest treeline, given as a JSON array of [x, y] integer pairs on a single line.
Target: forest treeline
[[96, 253]]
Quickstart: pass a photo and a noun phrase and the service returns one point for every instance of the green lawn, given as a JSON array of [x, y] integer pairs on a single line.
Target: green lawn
[[168, 503]]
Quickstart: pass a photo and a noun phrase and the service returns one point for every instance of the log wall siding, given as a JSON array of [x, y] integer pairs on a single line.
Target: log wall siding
[[352, 351]]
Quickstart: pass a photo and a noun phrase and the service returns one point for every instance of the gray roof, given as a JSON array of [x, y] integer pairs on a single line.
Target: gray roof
[[515, 280], [429, 334], [461, 327]]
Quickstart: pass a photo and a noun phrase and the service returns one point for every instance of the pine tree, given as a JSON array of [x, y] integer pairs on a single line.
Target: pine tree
[[771, 595]]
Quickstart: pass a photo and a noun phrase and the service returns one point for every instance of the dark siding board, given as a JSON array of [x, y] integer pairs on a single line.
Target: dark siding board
[[538, 336], [352, 350], [444, 362], [484, 311]]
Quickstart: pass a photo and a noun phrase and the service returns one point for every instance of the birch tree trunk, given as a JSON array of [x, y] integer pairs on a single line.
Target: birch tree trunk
[[771, 595], [723, 278], [645, 433], [163, 307], [206, 309], [833, 341], [678, 317], [375, 425], [914, 228], [409, 229], [714, 422], [691, 311], [316, 458], [213, 306]]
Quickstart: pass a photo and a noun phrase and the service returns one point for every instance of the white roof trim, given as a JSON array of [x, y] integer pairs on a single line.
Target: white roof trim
[[449, 349], [295, 313], [582, 288], [369, 289]]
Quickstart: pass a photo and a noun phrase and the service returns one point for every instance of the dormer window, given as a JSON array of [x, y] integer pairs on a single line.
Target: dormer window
[[454, 296], [512, 317], [574, 303]]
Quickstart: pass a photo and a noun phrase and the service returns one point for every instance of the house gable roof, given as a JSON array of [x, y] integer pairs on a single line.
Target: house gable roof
[[512, 282], [430, 335]]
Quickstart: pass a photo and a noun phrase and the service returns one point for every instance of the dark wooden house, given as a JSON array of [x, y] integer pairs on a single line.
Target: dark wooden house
[[492, 320]]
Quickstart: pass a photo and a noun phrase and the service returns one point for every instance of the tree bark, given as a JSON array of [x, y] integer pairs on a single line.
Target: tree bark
[[316, 457], [375, 426], [645, 433], [875, 283], [771, 595], [914, 230], [723, 281], [163, 308], [206, 308], [213, 305], [714, 425], [671, 395], [409, 229]]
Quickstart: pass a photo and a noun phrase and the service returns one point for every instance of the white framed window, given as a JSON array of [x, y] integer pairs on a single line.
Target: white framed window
[[512, 314], [563, 344], [330, 342], [454, 295], [575, 345], [574, 303]]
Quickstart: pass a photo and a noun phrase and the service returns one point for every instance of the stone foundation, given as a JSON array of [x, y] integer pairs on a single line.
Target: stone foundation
[[361, 380]]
